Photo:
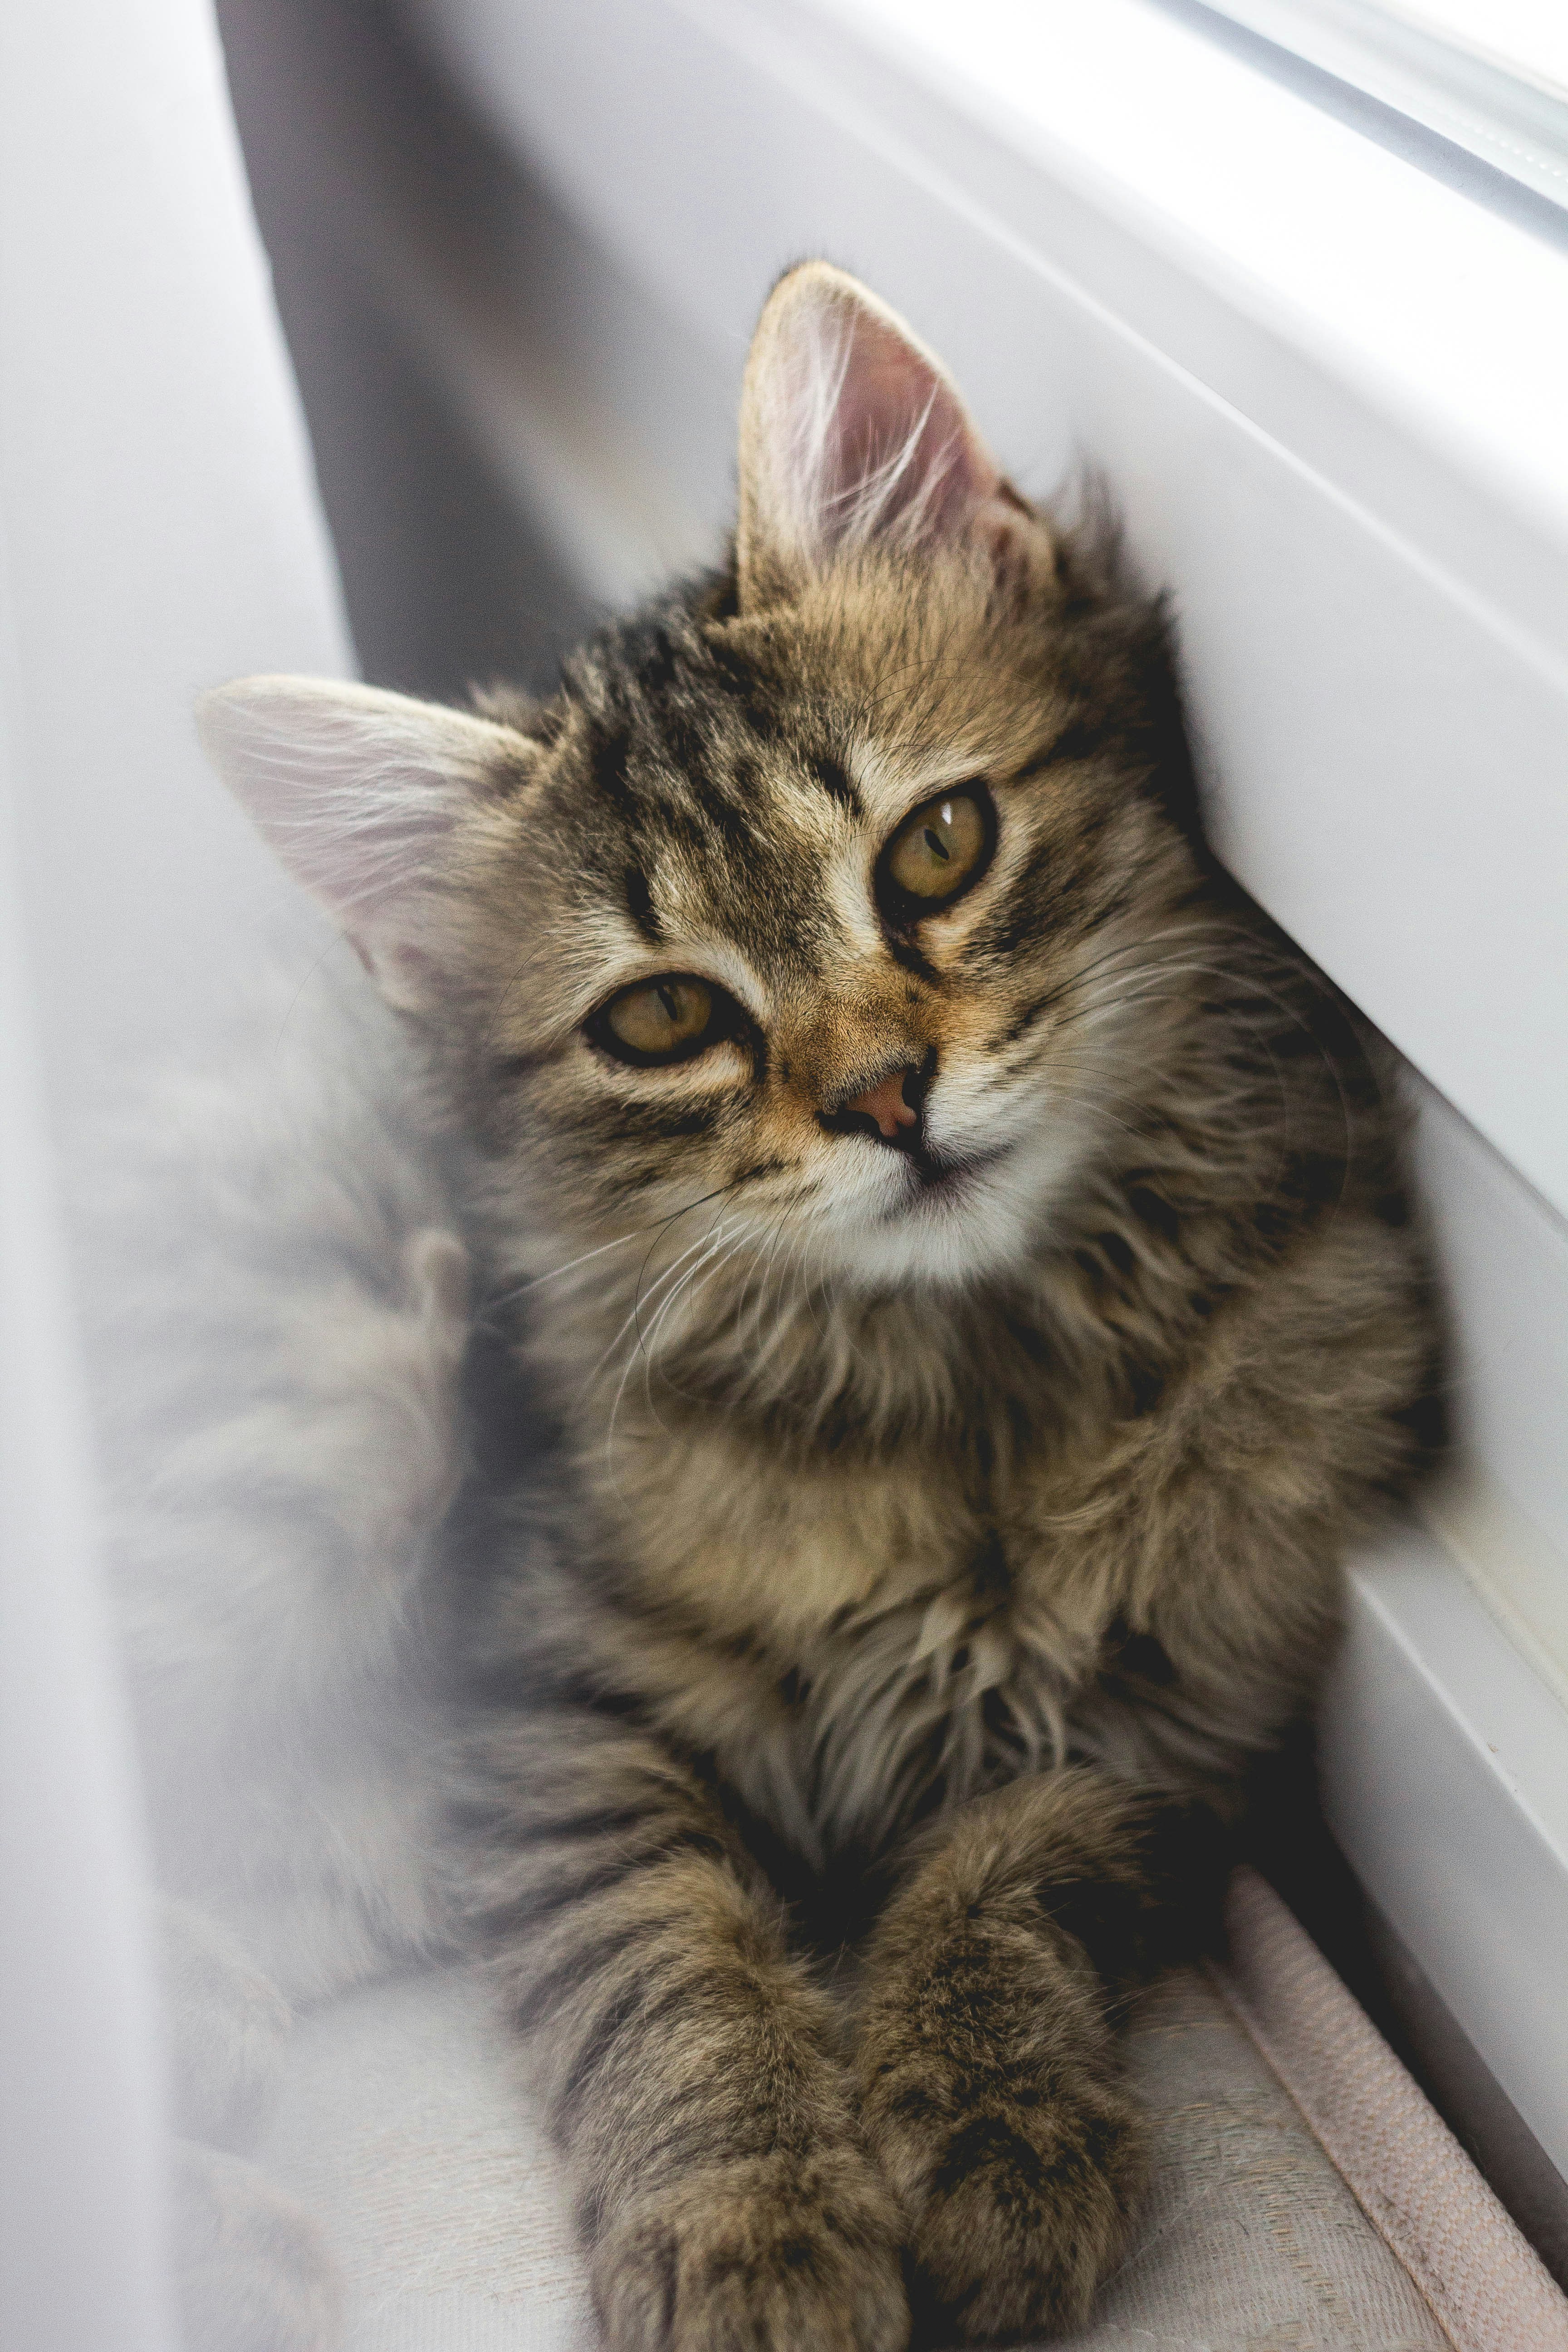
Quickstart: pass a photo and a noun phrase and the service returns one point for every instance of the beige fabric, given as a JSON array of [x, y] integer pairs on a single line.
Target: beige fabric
[[1485, 2283], [399, 2127], [1248, 2239]]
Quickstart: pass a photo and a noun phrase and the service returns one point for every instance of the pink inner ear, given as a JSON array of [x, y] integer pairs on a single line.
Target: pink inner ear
[[900, 459]]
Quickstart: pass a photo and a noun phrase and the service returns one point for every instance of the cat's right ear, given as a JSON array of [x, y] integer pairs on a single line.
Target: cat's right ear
[[854, 441], [360, 792]]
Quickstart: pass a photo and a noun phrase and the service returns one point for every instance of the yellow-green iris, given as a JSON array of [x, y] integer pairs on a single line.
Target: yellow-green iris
[[660, 1018], [935, 851]]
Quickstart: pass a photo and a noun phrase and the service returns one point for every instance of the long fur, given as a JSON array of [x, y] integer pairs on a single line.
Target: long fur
[[278, 1309], [856, 1551]]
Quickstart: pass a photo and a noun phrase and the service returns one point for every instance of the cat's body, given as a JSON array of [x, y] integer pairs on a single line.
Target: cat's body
[[861, 1556], [280, 1314], [959, 1257]]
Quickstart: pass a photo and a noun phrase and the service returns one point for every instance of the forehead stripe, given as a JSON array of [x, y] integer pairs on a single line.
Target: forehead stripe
[[640, 907]]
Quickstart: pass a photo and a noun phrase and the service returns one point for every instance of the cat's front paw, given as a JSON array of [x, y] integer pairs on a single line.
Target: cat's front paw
[[769, 2254], [252, 2271], [1021, 2210], [994, 2104]]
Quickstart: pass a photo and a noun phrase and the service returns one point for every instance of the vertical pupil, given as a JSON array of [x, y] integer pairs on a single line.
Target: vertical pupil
[[934, 842], [667, 998]]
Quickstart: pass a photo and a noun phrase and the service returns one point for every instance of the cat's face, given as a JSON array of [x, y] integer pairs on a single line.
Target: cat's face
[[815, 922], [792, 933]]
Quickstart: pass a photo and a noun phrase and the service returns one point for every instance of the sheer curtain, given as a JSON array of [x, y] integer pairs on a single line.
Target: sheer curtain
[[159, 530]]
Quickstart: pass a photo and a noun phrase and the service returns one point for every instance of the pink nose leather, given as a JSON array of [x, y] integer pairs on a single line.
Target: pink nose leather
[[886, 1104]]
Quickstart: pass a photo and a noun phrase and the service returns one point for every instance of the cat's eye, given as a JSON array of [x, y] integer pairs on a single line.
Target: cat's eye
[[663, 1020], [937, 851]]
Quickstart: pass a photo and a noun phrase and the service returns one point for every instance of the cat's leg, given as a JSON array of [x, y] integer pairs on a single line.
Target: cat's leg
[[986, 2058], [688, 2065]]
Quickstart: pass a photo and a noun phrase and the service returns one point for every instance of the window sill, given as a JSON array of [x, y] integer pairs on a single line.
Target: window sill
[[1327, 391]]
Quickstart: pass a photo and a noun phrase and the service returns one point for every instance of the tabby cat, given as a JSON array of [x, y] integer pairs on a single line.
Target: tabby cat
[[958, 1252]]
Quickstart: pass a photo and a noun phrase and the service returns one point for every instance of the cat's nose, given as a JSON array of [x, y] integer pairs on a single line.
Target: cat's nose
[[887, 1104], [890, 1109]]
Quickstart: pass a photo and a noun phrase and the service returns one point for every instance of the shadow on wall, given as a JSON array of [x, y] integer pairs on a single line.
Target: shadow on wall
[[447, 583]]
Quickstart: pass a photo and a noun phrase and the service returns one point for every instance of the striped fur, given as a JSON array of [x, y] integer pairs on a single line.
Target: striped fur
[[927, 1553]]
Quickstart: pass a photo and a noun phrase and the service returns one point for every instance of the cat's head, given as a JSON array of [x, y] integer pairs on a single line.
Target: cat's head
[[815, 916]]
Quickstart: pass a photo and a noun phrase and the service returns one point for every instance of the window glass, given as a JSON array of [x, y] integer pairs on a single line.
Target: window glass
[[1490, 75], [1527, 38]]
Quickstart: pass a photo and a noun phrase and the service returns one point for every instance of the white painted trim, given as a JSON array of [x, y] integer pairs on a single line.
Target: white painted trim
[[1329, 391], [1502, 1511], [1484, 100], [1443, 1780], [1423, 303]]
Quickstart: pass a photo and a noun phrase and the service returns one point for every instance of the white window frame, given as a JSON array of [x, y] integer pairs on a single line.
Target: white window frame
[[1498, 98], [1330, 391]]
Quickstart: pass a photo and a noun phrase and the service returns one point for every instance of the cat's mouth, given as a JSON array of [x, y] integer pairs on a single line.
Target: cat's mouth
[[939, 1182]]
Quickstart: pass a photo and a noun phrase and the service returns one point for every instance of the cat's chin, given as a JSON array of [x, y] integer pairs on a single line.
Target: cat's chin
[[936, 1186], [963, 1218], [953, 1224]]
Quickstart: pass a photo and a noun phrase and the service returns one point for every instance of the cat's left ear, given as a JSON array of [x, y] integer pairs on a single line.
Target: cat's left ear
[[854, 439], [363, 795]]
